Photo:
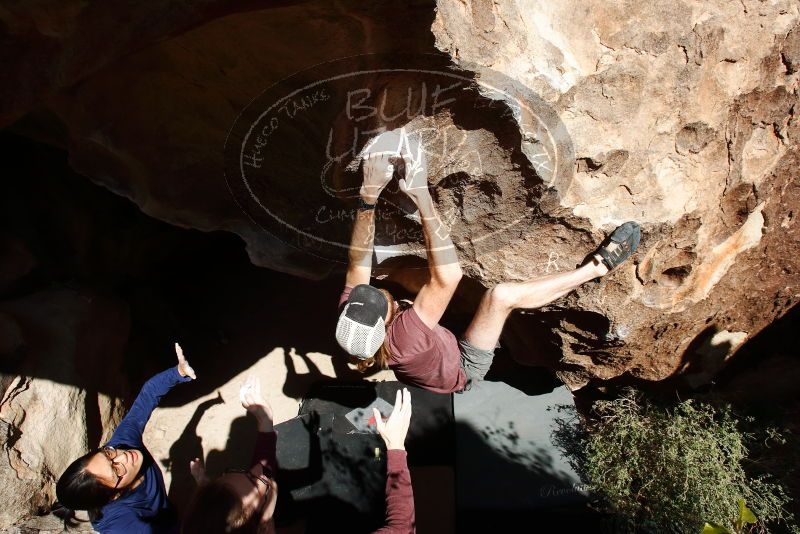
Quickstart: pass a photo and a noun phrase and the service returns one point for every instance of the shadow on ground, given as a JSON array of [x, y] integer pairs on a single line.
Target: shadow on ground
[[331, 475]]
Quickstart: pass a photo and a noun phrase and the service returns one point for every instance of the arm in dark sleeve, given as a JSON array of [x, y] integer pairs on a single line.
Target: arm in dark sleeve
[[399, 496], [129, 432], [265, 448], [125, 521]]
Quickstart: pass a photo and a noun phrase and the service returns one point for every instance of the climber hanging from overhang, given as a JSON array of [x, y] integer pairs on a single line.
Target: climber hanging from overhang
[[406, 336]]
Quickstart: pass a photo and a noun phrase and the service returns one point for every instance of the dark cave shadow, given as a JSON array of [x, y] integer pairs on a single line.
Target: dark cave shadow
[[172, 284], [247, 312], [244, 314], [702, 359], [773, 353], [199, 289], [724, 373], [94, 423]]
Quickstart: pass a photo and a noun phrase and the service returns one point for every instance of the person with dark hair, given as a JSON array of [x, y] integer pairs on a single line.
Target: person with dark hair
[[120, 484], [407, 337], [243, 501], [240, 501]]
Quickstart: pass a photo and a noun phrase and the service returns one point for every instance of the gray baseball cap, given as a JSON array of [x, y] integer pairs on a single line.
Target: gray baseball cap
[[361, 328]]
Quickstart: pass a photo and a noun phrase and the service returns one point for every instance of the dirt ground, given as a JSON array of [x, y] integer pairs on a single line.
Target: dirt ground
[[168, 425]]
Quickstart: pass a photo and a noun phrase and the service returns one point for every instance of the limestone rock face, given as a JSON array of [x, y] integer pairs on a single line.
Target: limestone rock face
[[65, 343], [681, 116], [564, 119]]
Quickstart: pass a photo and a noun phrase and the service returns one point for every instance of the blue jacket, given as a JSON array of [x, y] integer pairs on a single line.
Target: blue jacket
[[145, 509]]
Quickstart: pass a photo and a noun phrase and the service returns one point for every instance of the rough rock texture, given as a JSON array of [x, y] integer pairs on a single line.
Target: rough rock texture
[[71, 257], [51, 411], [682, 116], [50, 45]]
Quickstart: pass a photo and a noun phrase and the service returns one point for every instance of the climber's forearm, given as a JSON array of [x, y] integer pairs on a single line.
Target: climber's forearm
[[361, 244], [442, 257]]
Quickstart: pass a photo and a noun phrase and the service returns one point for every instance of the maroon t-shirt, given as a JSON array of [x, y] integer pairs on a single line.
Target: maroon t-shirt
[[421, 356]]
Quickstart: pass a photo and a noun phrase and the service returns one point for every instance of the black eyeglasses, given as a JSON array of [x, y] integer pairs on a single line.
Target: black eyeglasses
[[119, 469]]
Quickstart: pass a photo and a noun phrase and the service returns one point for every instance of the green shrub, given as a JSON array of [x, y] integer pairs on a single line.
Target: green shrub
[[674, 469], [742, 524]]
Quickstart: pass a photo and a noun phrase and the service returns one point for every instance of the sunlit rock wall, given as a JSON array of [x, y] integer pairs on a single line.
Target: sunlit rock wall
[[679, 115], [682, 117]]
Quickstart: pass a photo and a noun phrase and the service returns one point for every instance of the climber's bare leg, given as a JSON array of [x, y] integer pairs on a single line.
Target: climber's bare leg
[[498, 302]]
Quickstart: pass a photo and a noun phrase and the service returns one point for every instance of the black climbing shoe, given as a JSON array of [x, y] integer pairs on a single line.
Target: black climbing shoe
[[620, 245]]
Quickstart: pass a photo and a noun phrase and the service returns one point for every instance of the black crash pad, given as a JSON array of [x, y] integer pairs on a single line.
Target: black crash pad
[[329, 469]]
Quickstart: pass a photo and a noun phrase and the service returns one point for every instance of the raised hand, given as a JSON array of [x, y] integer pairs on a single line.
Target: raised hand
[[198, 471], [254, 403], [184, 369], [394, 430], [380, 156], [415, 182], [378, 171]]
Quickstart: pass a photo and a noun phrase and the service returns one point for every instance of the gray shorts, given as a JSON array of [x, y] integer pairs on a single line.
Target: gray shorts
[[475, 362]]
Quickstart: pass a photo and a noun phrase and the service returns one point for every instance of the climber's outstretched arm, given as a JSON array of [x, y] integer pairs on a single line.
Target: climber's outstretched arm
[[445, 271], [377, 173]]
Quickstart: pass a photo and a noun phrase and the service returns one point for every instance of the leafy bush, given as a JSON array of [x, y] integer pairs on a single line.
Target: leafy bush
[[674, 469]]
